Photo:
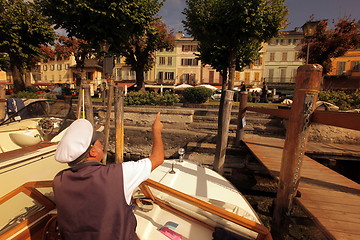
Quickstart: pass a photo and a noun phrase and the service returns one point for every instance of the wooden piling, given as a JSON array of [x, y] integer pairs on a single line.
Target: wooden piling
[[89, 113], [119, 124], [80, 102], [2, 102], [241, 122], [308, 81], [223, 132], [110, 97]]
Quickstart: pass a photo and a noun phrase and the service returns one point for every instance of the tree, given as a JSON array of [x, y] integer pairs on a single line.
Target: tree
[[114, 21], [81, 50], [231, 24], [217, 56], [22, 30], [140, 53], [331, 43]]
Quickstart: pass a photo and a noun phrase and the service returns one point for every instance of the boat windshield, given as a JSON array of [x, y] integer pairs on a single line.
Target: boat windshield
[[42, 109], [25, 204]]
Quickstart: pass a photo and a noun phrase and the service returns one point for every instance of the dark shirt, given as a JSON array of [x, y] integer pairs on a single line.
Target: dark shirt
[[91, 203]]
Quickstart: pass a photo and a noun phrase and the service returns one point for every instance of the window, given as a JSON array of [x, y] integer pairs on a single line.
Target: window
[[60, 78], [257, 62], [237, 76], [67, 66], [169, 75], [282, 74], [284, 56], [189, 62], [188, 78], [247, 78], [161, 60], [272, 57], [45, 67], [341, 68], [90, 75], [289, 41], [161, 74], [295, 41], [271, 75], [186, 48], [169, 60], [58, 66], [189, 48], [211, 76], [257, 76], [52, 67], [355, 66]]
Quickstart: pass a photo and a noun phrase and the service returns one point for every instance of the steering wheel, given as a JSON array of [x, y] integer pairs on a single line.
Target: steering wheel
[[46, 126]]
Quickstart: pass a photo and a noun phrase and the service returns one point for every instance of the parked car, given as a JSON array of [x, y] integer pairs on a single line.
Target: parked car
[[216, 95]]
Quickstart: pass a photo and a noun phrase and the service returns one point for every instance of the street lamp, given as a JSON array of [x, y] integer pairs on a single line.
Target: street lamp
[[309, 29], [104, 46]]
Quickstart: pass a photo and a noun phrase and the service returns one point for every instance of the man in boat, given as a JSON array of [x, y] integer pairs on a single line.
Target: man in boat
[[93, 200]]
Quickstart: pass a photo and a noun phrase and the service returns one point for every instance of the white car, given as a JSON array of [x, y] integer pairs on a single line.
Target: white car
[[216, 95]]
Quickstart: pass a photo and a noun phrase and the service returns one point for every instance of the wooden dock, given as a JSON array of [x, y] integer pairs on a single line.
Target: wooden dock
[[332, 200]]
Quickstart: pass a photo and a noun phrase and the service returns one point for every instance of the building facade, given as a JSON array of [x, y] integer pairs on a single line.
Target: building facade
[[347, 65], [281, 57]]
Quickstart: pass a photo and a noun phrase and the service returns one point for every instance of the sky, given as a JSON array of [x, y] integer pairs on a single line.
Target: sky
[[299, 11]]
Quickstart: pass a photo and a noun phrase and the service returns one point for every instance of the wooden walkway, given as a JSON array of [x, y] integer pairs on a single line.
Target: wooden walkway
[[330, 198]]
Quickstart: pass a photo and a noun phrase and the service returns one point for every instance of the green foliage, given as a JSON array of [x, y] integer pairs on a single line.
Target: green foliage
[[22, 30], [343, 100], [197, 94], [32, 89], [151, 98], [25, 94], [231, 32], [113, 20]]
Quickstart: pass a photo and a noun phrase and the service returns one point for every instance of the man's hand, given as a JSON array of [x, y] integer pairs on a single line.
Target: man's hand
[[157, 125]]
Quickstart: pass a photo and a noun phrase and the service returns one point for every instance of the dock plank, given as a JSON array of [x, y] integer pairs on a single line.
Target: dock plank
[[332, 200]]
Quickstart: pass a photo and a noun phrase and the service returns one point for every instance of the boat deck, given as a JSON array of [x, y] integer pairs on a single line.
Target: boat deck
[[330, 198]]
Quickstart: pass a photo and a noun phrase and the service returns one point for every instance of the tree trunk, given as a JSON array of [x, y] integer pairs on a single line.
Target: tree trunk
[[27, 78], [232, 70], [18, 79], [140, 83]]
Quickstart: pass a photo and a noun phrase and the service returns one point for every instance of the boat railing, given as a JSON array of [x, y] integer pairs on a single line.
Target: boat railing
[[31, 190], [263, 232]]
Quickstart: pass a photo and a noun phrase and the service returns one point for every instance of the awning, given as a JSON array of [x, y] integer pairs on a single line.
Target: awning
[[124, 84], [6, 83], [43, 83]]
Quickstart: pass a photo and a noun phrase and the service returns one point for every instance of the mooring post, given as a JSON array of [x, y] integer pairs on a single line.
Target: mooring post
[[89, 113], [308, 81], [80, 102], [223, 132], [241, 122], [110, 97], [119, 124], [2, 102]]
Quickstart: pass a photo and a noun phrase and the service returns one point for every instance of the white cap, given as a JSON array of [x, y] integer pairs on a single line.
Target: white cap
[[75, 142]]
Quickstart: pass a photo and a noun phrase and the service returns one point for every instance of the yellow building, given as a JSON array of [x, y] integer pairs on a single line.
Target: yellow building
[[3, 76], [57, 71], [347, 65]]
